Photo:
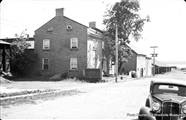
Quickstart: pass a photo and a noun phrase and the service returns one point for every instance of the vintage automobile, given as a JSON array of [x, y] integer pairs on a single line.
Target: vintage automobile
[[167, 101]]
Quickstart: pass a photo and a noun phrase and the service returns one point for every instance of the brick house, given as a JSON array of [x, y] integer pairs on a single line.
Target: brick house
[[65, 46]]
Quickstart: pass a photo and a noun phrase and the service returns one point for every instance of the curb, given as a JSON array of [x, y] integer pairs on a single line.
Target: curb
[[37, 96], [25, 95]]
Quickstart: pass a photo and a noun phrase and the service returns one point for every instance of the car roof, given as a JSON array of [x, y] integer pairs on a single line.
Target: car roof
[[169, 81]]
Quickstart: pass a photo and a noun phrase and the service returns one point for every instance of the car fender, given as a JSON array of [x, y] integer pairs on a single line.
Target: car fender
[[145, 114], [147, 104]]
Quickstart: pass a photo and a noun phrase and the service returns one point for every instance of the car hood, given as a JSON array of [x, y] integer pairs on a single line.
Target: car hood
[[170, 97]]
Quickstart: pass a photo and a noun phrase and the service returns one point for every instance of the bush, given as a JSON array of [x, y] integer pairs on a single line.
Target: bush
[[23, 64]]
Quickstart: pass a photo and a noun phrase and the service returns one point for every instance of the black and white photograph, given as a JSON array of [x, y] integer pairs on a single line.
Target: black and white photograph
[[93, 59]]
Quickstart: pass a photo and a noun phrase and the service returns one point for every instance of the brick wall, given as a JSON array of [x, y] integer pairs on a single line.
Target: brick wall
[[60, 53], [130, 65]]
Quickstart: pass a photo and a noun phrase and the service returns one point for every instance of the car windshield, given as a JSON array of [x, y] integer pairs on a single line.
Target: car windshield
[[169, 89]]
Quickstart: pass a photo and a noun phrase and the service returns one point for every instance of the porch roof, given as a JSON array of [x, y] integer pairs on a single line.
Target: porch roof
[[4, 43]]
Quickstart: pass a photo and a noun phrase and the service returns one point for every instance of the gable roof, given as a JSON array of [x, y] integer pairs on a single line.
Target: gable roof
[[136, 50], [94, 33], [75, 21], [70, 20]]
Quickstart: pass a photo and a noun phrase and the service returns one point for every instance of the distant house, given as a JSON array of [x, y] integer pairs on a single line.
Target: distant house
[[67, 47], [139, 63]]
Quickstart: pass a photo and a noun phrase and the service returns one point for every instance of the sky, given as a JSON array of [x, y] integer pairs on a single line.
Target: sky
[[166, 29]]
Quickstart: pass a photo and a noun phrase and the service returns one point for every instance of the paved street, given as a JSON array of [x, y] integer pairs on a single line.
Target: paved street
[[109, 100]]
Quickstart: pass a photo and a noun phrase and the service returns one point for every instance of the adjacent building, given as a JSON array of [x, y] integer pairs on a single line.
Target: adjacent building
[[149, 66], [138, 63], [161, 68], [95, 46]]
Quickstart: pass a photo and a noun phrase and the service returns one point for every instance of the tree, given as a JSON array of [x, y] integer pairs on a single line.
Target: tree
[[19, 44], [125, 15], [22, 60]]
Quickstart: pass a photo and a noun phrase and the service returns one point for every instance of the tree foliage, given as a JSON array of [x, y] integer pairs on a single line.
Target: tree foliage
[[19, 44], [22, 59], [124, 14]]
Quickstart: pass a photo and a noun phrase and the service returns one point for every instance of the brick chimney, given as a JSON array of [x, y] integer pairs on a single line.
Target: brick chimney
[[92, 24], [59, 12]]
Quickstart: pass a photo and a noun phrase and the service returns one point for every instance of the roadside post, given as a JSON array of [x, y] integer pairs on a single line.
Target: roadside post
[[116, 57], [154, 55]]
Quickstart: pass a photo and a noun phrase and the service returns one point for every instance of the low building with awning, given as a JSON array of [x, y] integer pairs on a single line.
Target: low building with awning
[[161, 67], [5, 52]]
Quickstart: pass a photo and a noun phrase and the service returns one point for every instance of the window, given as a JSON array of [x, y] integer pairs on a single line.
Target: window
[[46, 44], [73, 63], [74, 43], [45, 63], [69, 28], [159, 88], [50, 29]]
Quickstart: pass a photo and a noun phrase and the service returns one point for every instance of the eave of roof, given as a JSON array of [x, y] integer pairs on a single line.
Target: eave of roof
[[98, 30], [11, 39], [137, 51], [4, 43], [141, 55]]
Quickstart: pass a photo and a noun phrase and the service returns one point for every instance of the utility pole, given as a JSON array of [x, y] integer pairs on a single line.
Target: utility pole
[[116, 57], [154, 55]]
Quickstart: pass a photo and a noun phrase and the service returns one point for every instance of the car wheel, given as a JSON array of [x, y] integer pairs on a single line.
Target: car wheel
[[140, 117]]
